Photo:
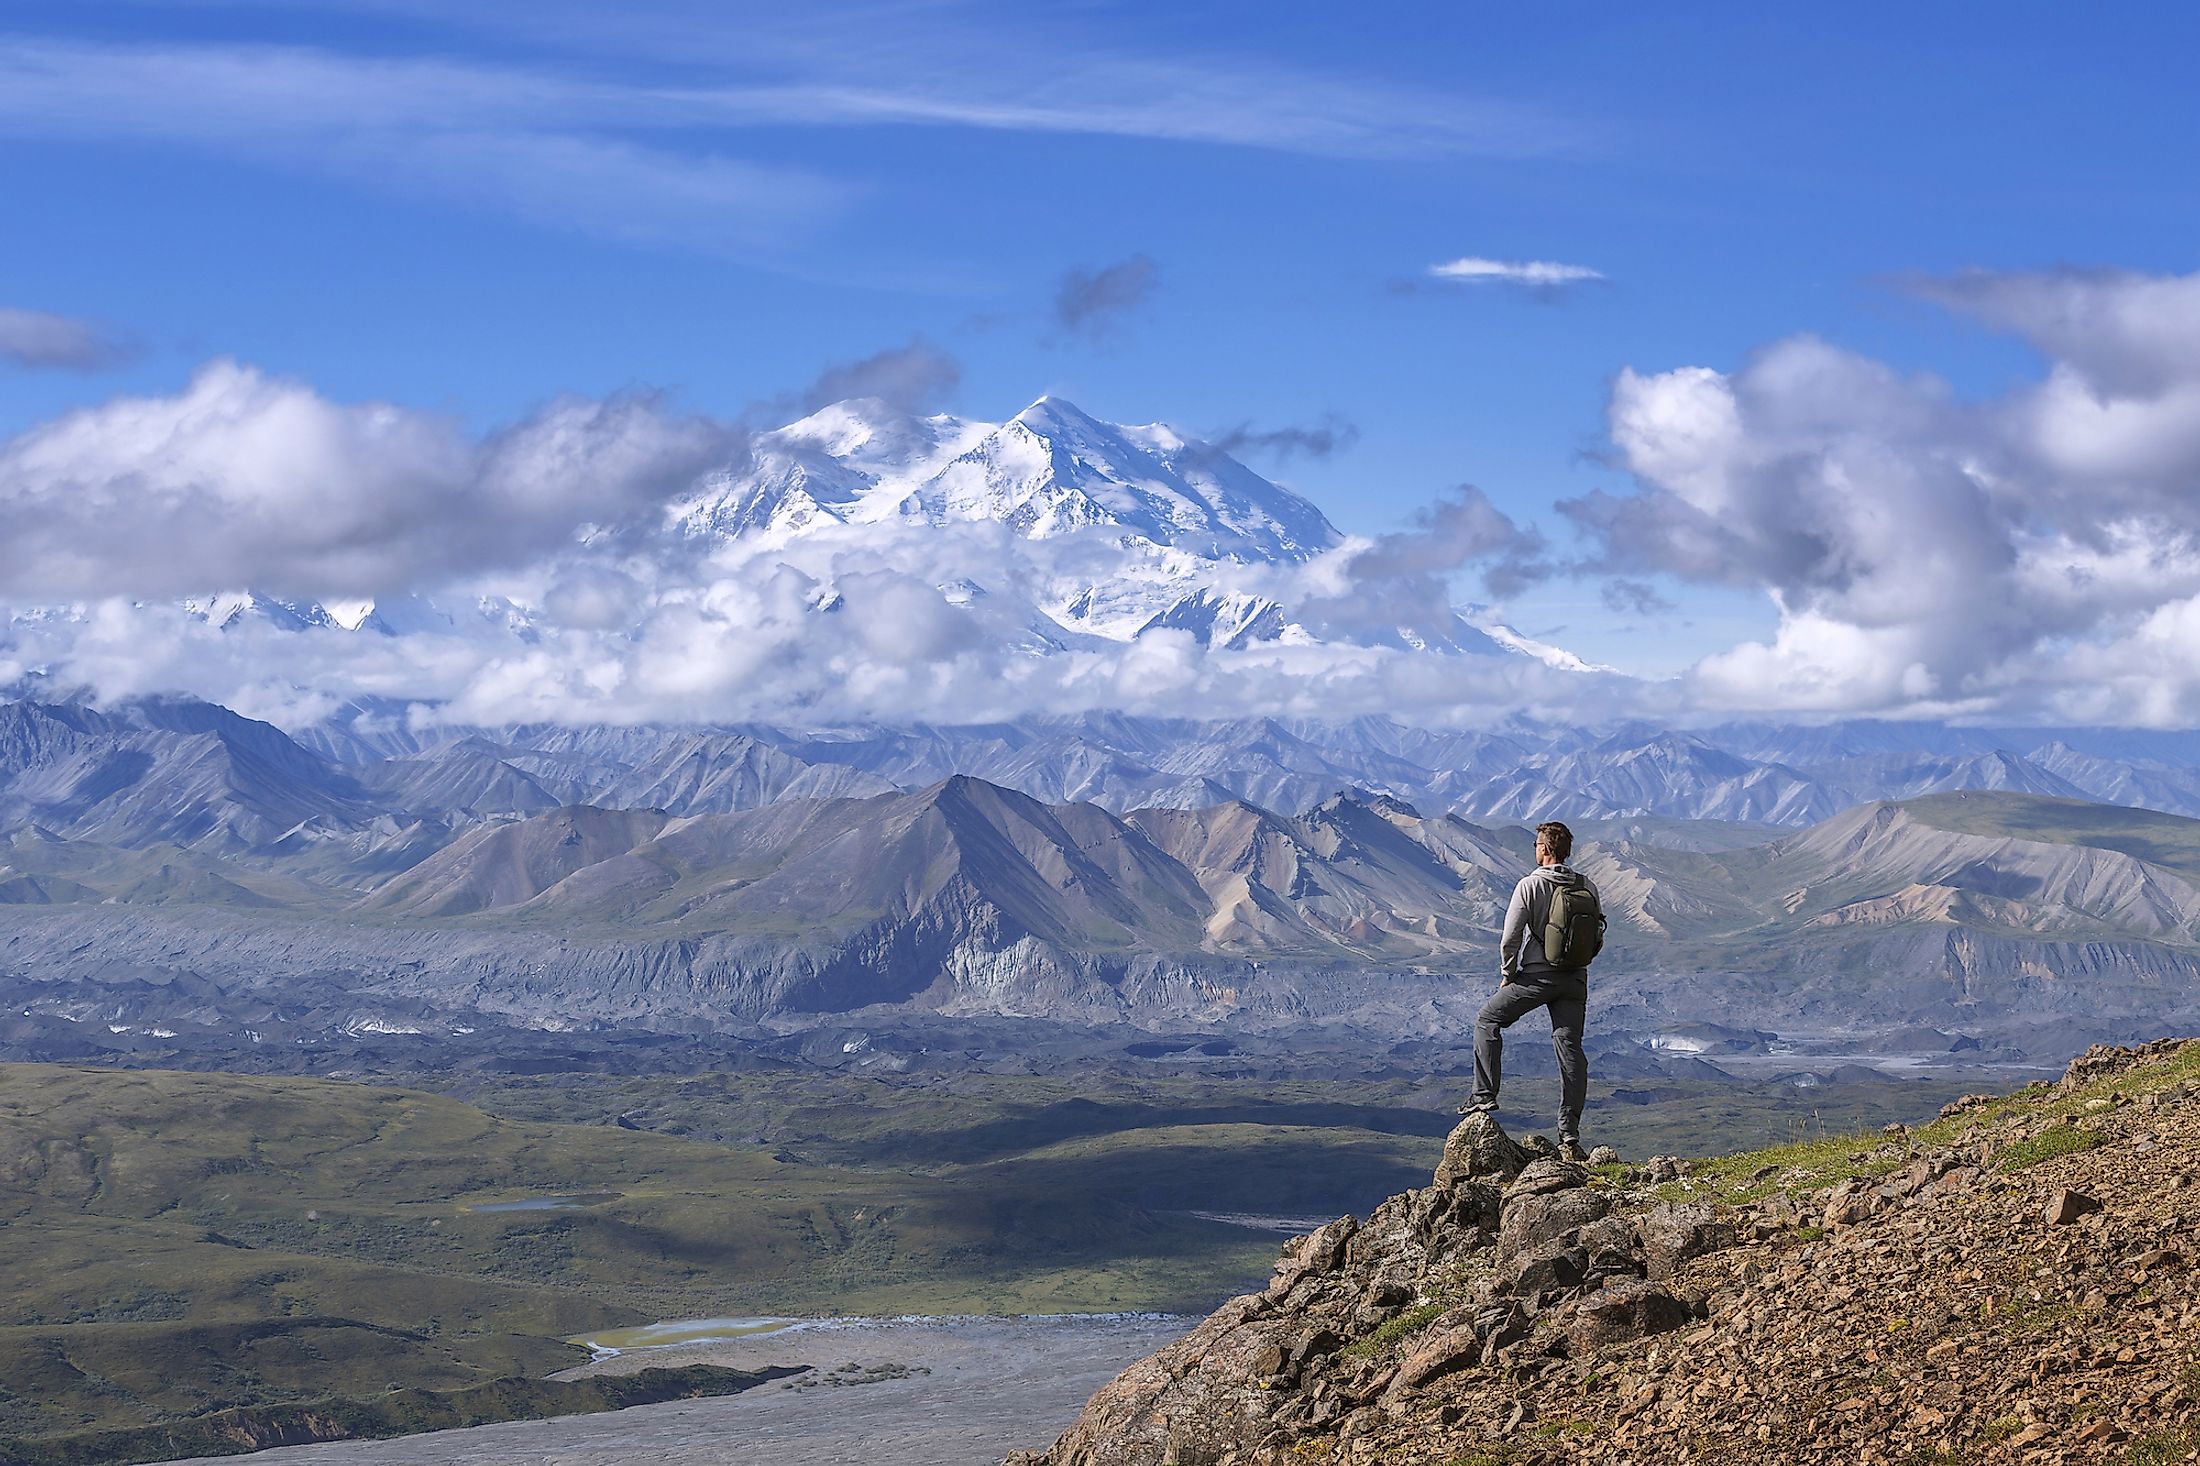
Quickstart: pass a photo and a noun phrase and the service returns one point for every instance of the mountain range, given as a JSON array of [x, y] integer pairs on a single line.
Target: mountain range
[[174, 867]]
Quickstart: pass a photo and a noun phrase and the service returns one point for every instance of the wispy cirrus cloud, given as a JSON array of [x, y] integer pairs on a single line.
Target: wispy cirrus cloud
[[1538, 275], [548, 149], [996, 65], [568, 144], [38, 340]]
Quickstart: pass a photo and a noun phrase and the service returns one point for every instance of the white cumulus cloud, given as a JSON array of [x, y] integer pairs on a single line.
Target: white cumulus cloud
[[244, 479], [1533, 274], [541, 571], [2019, 555]]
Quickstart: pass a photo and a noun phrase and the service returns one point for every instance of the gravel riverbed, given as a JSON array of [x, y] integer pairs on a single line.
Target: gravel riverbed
[[914, 1392]]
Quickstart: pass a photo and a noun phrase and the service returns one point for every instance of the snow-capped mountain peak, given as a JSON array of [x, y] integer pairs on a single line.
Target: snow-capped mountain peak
[[1051, 470], [229, 609], [1052, 532]]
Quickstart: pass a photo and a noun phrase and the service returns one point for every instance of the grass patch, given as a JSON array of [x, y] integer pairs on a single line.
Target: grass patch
[[1406, 1324], [1814, 1165], [2179, 1068], [1805, 1166], [2161, 1447], [2055, 1140]]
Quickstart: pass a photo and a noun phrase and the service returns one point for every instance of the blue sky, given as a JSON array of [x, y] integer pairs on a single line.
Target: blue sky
[[472, 208]]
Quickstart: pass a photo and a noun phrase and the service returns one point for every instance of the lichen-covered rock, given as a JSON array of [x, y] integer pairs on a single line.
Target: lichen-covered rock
[[1544, 1175], [1209, 1393], [1479, 1148], [1440, 1350], [1445, 1219], [1530, 1221], [1619, 1314], [1674, 1233], [1317, 1252], [1541, 1272], [1612, 1247]]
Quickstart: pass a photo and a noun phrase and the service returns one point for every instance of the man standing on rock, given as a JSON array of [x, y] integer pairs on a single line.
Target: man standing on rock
[[1553, 930]]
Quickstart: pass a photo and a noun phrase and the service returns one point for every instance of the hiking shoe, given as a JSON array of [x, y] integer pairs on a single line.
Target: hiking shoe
[[1569, 1149], [1479, 1107]]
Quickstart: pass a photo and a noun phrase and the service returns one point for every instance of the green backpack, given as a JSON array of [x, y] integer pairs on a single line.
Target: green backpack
[[1573, 934]]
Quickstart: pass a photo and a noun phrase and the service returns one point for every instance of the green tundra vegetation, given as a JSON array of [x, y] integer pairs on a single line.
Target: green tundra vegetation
[[177, 1244]]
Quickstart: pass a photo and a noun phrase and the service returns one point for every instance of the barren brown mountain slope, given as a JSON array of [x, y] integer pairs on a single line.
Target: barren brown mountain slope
[[2014, 1282]]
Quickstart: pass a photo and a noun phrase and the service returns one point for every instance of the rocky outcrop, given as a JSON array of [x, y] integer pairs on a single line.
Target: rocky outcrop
[[1511, 1255], [2015, 1281]]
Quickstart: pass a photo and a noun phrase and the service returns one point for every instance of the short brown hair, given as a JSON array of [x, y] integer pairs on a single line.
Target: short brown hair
[[1555, 838]]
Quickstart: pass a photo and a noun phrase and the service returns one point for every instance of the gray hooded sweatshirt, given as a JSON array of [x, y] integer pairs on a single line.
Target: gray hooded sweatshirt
[[1520, 950]]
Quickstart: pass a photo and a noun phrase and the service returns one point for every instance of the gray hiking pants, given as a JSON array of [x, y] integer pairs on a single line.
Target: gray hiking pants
[[1567, 997]]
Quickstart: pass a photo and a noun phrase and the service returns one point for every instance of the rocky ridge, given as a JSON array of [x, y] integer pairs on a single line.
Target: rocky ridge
[[2012, 1282]]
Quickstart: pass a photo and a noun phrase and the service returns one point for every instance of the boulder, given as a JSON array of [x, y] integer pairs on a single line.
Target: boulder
[[1542, 1177], [2065, 1207], [1852, 1202], [1611, 1247], [1208, 1394], [1479, 1148], [1316, 1253], [1619, 1313], [1675, 1232], [1530, 1221], [1463, 1214], [1438, 1352], [1551, 1267], [1917, 1175], [1960, 1179]]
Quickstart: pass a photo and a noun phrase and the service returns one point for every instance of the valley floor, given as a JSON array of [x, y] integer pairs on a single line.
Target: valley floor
[[945, 1392]]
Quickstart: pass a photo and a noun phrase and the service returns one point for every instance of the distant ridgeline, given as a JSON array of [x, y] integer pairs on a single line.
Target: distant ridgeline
[[192, 876]]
